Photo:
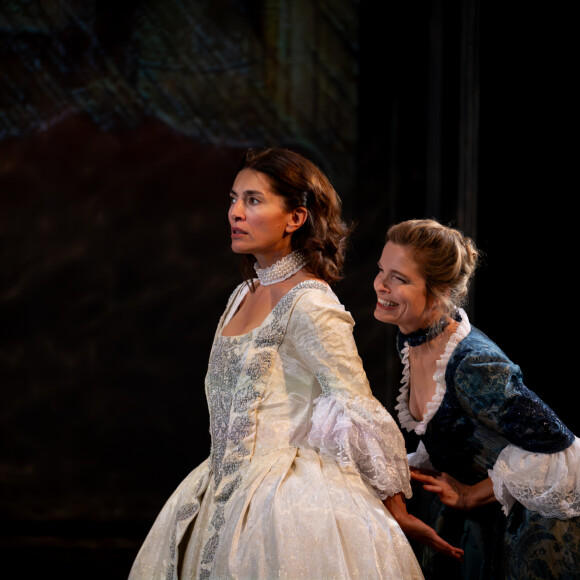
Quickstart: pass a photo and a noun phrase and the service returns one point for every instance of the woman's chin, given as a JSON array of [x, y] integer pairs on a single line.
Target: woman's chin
[[382, 316], [239, 249]]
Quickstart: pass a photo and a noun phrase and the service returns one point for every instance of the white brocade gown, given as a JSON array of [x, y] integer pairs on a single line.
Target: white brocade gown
[[301, 456]]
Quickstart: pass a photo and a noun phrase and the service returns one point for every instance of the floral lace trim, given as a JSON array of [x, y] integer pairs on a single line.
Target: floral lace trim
[[547, 483], [405, 418], [358, 431]]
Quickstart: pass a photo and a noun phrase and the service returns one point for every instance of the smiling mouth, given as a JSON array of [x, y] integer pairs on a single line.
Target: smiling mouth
[[237, 231], [386, 303]]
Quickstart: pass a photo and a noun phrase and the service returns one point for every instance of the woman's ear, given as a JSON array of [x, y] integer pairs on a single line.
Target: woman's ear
[[432, 306], [296, 219], [436, 303]]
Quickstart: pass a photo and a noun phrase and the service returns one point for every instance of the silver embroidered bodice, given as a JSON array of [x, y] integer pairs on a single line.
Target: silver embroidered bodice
[[292, 420]]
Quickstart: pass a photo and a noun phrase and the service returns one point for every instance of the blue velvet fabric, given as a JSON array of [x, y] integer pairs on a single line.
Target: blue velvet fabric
[[486, 407]]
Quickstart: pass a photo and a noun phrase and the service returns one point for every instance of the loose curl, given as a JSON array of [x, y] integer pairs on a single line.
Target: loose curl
[[322, 239], [445, 258]]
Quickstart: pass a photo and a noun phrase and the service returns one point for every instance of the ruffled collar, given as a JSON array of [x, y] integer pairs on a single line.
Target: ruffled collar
[[405, 418]]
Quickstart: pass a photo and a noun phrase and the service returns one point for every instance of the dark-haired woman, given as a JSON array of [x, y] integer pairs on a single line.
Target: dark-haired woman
[[489, 447], [302, 454]]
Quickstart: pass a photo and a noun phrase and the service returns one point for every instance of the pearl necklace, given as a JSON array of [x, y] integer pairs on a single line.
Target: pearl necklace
[[281, 270]]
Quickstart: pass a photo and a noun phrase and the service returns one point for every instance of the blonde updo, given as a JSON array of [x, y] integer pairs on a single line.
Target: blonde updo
[[445, 258]]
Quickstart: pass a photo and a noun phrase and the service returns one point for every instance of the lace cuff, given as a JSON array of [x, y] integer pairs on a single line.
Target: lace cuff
[[420, 458], [547, 483], [359, 431]]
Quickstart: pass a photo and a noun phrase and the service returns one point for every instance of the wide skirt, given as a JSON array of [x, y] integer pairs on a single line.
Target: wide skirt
[[296, 514]]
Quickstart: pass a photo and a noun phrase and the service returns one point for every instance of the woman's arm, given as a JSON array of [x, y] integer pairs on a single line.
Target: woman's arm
[[454, 493], [347, 422], [540, 465], [418, 530]]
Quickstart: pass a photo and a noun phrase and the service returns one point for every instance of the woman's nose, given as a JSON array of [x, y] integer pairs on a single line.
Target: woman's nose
[[380, 283], [237, 210]]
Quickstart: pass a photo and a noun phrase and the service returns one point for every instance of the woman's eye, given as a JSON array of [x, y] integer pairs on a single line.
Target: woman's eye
[[253, 201]]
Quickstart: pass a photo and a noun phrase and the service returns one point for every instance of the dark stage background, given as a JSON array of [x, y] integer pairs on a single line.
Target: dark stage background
[[121, 127]]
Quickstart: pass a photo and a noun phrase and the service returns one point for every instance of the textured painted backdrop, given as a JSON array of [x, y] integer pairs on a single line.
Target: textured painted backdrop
[[121, 127]]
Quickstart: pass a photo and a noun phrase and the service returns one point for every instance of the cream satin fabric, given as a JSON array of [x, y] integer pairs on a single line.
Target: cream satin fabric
[[301, 454]]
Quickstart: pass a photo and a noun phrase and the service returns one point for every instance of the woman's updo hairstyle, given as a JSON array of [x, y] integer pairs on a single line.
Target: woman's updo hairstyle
[[445, 258], [323, 238]]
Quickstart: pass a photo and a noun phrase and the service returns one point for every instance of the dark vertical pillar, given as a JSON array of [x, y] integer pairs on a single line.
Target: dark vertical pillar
[[468, 152], [434, 113]]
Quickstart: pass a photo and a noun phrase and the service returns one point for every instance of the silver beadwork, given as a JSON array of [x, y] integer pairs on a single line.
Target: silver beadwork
[[238, 369]]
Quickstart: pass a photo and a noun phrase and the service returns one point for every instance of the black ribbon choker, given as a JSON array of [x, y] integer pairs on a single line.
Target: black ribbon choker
[[424, 335]]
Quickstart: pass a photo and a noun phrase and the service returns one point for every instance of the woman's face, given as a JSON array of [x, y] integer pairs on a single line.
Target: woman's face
[[401, 290], [260, 224]]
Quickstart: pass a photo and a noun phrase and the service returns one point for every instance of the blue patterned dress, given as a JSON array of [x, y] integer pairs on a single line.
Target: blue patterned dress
[[484, 422]]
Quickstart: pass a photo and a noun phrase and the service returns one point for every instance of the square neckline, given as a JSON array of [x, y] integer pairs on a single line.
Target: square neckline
[[237, 302]]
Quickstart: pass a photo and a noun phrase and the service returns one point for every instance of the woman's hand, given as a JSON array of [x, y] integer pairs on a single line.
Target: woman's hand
[[453, 493], [418, 530]]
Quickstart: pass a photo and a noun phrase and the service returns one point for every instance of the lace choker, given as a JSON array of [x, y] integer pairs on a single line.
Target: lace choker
[[424, 335], [281, 270]]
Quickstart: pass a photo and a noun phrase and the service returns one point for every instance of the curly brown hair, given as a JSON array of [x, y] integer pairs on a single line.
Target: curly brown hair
[[322, 239]]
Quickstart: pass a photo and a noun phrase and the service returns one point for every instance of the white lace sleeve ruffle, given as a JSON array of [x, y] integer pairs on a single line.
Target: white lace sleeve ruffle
[[359, 431], [547, 483]]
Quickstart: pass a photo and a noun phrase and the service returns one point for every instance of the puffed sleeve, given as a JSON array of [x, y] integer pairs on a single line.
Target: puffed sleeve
[[347, 422], [540, 467]]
